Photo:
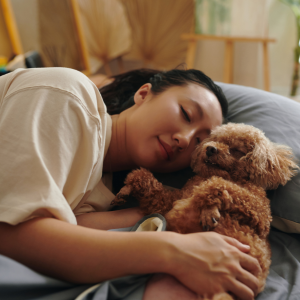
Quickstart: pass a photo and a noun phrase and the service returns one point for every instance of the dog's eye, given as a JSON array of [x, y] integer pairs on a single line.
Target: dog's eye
[[236, 153]]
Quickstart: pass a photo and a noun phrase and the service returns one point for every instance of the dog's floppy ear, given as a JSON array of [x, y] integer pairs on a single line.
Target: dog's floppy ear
[[272, 165], [285, 166]]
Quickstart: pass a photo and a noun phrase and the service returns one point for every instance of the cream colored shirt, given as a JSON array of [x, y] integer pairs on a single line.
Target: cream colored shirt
[[54, 134]]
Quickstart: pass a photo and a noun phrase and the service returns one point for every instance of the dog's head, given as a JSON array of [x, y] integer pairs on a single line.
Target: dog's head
[[243, 153]]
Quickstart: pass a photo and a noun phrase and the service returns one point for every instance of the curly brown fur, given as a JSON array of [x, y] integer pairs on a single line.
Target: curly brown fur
[[234, 167]]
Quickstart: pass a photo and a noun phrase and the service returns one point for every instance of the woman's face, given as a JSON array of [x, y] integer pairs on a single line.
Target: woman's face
[[163, 130]]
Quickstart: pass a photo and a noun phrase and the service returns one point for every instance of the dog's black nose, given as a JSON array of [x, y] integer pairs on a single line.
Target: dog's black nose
[[210, 150]]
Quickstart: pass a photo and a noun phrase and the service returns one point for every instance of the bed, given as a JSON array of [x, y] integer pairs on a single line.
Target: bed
[[279, 118]]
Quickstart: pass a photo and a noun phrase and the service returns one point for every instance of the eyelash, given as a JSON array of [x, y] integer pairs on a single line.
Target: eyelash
[[198, 141], [185, 114]]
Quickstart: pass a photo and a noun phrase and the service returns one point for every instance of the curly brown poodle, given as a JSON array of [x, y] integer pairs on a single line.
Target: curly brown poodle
[[234, 167]]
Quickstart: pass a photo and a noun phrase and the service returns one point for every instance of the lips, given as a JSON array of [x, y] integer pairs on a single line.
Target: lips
[[166, 150]]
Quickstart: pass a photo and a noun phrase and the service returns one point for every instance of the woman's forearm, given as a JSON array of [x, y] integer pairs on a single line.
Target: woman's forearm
[[110, 219], [203, 262], [83, 255]]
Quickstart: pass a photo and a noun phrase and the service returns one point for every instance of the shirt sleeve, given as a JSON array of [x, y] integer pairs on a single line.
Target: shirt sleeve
[[49, 147]]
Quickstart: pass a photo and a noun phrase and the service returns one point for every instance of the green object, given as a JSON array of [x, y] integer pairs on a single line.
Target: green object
[[295, 6], [212, 17]]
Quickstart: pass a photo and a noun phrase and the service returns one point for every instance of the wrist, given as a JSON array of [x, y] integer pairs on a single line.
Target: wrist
[[153, 252], [167, 252]]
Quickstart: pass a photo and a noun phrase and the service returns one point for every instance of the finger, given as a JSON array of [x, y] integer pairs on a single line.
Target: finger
[[250, 264], [250, 281], [233, 242], [240, 290]]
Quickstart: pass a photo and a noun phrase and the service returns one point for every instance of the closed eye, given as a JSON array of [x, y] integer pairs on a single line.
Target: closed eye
[[236, 153], [185, 114]]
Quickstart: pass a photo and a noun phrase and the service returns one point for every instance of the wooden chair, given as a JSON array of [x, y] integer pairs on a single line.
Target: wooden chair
[[228, 58]]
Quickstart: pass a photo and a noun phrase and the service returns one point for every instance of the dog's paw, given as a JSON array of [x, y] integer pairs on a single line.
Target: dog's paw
[[209, 217], [122, 196]]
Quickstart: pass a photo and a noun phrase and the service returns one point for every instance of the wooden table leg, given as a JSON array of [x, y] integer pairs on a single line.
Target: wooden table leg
[[191, 51], [266, 66], [228, 62]]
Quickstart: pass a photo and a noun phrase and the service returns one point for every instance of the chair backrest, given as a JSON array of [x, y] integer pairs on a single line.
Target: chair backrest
[[156, 28], [106, 30]]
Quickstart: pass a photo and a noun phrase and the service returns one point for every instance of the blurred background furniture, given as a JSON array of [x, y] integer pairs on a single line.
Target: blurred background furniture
[[232, 23], [106, 31], [156, 28], [10, 44], [60, 35], [103, 37], [229, 52]]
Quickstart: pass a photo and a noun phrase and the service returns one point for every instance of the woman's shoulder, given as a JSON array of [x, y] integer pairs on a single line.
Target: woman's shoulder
[[63, 80], [66, 79]]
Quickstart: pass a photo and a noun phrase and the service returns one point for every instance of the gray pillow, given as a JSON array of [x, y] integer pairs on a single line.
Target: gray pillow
[[279, 118]]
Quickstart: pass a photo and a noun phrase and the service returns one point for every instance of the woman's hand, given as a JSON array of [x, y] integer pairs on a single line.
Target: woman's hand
[[210, 263]]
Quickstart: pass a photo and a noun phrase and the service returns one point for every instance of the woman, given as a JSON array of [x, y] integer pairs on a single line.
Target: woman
[[56, 139]]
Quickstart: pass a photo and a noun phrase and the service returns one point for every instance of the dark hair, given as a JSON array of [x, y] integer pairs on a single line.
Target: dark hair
[[118, 95]]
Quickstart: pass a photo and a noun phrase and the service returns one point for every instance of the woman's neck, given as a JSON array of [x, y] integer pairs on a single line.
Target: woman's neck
[[117, 157]]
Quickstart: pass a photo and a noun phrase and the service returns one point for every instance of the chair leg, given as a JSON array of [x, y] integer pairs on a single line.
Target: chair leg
[[191, 51], [120, 64], [228, 62], [266, 67], [107, 69]]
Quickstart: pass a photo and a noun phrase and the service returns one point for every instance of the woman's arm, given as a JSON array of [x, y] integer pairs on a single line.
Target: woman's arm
[[110, 219], [204, 262], [75, 253]]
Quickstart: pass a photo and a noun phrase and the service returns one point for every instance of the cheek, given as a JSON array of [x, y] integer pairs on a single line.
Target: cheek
[[142, 155]]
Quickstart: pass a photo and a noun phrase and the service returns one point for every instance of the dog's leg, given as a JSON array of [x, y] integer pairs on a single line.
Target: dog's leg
[[217, 195], [138, 183], [122, 196], [209, 198], [152, 196], [209, 217]]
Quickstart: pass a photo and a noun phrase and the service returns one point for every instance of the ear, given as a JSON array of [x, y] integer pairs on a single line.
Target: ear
[[284, 167], [272, 165], [142, 94]]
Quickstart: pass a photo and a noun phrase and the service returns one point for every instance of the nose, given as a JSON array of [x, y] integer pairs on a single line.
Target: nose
[[211, 150], [183, 140]]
